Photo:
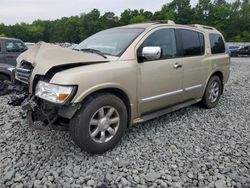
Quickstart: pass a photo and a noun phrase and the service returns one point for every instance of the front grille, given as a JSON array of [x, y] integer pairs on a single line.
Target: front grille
[[24, 71], [23, 75]]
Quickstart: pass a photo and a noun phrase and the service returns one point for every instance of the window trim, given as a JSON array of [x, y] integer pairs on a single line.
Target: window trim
[[181, 43]]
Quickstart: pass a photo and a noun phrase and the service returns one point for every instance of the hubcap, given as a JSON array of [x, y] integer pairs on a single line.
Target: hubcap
[[214, 92], [104, 124]]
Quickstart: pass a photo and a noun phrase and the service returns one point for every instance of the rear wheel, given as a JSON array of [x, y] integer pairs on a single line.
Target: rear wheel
[[212, 93], [3, 86], [99, 124]]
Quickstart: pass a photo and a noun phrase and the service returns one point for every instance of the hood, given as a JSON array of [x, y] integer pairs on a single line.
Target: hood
[[44, 56]]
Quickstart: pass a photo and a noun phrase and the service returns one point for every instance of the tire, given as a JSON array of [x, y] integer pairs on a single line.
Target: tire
[[81, 127], [3, 87], [210, 100]]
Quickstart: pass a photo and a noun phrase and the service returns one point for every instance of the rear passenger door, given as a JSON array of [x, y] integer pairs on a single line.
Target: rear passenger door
[[192, 47]]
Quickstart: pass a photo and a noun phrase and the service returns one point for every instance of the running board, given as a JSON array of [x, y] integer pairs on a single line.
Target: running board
[[164, 111]]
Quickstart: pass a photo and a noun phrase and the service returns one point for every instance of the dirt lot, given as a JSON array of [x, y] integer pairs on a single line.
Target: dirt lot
[[189, 148]]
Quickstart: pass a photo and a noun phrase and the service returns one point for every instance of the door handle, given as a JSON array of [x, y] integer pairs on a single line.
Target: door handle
[[177, 65]]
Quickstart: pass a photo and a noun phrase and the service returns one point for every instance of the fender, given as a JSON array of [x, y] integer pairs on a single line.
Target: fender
[[210, 75], [99, 87], [7, 70], [88, 92]]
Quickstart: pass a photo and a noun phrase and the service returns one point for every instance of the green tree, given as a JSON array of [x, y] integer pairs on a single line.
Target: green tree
[[182, 11], [89, 24], [138, 19], [72, 29], [232, 19]]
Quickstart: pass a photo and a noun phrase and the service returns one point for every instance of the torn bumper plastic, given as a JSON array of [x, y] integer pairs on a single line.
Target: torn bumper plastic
[[45, 115]]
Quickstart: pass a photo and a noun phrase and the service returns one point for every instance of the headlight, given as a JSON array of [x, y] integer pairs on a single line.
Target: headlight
[[53, 93]]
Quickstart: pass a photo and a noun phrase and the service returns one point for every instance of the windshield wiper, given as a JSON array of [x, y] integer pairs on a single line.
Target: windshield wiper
[[93, 51]]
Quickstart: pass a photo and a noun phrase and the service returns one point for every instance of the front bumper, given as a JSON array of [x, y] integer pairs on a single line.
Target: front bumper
[[46, 115]]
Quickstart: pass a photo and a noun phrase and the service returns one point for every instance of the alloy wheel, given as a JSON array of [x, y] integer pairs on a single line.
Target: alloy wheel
[[214, 92], [104, 124]]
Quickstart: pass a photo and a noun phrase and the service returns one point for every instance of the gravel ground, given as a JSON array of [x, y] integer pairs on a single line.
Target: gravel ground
[[193, 147]]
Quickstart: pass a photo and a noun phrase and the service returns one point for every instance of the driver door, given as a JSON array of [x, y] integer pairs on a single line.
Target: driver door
[[12, 50], [160, 83]]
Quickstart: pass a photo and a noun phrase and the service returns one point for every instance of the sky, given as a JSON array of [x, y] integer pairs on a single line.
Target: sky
[[16, 11]]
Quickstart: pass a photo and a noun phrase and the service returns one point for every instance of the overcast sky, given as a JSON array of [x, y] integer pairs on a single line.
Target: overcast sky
[[16, 11]]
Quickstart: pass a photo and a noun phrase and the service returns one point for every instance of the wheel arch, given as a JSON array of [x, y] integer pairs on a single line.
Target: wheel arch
[[120, 93], [220, 75], [5, 74]]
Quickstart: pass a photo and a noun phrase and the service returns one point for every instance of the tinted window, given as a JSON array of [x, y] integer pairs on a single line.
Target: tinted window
[[14, 46], [192, 43], [216, 43], [164, 38]]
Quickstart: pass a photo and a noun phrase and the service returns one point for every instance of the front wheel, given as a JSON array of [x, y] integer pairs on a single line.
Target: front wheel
[[99, 124], [212, 92]]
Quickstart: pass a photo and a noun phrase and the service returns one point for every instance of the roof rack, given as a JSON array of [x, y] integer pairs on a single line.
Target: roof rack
[[164, 22], [202, 26]]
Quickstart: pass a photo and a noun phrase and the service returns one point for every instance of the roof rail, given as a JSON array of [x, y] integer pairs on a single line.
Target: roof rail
[[203, 26], [162, 22]]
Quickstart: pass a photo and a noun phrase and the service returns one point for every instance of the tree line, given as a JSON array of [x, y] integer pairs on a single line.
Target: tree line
[[232, 19]]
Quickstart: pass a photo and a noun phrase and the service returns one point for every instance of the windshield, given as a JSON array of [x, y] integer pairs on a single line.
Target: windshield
[[111, 42]]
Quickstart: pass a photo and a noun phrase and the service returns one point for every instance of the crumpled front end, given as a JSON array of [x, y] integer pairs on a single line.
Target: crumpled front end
[[40, 63], [45, 115]]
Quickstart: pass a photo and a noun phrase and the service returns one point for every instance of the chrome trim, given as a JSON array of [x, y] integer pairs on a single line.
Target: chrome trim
[[11, 69], [193, 87], [170, 93], [161, 96]]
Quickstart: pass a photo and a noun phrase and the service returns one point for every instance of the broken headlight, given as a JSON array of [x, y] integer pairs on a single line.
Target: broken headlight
[[53, 93]]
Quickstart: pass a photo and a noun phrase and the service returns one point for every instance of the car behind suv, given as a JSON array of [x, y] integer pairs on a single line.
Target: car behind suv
[[122, 76], [243, 51], [10, 49]]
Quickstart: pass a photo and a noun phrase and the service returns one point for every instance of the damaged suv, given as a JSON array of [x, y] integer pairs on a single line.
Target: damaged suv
[[122, 76]]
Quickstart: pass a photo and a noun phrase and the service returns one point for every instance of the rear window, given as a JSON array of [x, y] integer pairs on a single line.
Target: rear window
[[192, 43], [216, 43]]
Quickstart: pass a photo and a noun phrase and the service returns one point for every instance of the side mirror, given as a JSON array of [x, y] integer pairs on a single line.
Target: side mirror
[[151, 53]]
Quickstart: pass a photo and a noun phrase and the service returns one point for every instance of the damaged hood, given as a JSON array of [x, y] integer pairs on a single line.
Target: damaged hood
[[44, 56]]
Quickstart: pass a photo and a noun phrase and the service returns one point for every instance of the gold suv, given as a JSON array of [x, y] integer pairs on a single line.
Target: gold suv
[[122, 76]]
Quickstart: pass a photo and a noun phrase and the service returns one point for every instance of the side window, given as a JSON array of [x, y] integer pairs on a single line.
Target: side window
[[20, 46], [216, 43], [13, 46], [192, 43], [164, 38]]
